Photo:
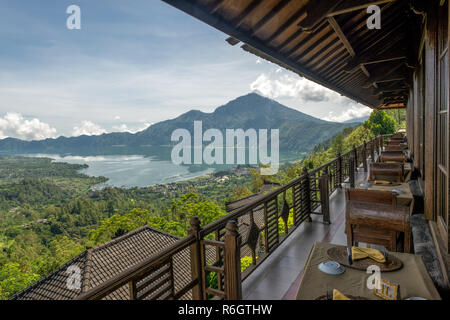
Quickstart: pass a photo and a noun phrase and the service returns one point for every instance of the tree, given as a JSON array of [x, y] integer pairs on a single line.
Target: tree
[[338, 145], [13, 279], [381, 123]]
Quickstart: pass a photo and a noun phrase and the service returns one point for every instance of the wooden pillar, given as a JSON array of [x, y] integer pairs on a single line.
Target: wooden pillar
[[355, 155], [195, 258], [324, 197], [233, 284]]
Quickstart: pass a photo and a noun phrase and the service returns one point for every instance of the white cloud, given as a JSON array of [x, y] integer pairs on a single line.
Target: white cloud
[[124, 128], [16, 126], [283, 84], [349, 114], [88, 128], [117, 118]]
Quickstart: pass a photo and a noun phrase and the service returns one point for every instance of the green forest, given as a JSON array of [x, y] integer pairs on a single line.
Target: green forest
[[49, 212]]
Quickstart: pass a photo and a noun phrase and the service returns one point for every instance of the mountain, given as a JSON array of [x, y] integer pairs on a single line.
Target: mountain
[[298, 131], [357, 120]]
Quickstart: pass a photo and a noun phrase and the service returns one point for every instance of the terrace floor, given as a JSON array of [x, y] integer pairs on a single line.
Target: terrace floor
[[278, 277]]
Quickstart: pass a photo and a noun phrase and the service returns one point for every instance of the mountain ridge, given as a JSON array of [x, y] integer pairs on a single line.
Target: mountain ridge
[[298, 131]]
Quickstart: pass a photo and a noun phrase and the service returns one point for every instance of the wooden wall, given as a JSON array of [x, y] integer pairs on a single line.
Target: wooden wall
[[427, 164]]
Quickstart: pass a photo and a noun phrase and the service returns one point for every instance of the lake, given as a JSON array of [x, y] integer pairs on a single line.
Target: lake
[[140, 170]]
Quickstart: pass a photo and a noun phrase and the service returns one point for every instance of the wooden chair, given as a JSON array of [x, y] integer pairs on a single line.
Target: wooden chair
[[395, 148], [398, 135], [373, 217], [392, 156], [395, 142], [386, 171]]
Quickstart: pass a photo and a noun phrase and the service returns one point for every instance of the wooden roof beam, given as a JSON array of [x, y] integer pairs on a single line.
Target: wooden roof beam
[[294, 18], [244, 14], [333, 23], [318, 10], [272, 13], [371, 58], [385, 73], [402, 88]]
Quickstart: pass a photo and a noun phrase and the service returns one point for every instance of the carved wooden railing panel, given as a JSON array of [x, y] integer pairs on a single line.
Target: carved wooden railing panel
[[214, 252]]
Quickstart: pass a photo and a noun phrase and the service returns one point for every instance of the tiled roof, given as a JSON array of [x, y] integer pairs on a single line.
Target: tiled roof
[[101, 263]]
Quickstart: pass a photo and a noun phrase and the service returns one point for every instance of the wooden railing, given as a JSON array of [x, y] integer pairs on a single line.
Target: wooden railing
[[211, 255]]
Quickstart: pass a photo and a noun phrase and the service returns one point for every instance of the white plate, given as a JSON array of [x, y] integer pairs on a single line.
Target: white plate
[[416, 298], [331, 267]]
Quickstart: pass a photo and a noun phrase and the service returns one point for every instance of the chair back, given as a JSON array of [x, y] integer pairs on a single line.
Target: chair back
[[386, 171], [392, 156], [371, 196], [394, 148]]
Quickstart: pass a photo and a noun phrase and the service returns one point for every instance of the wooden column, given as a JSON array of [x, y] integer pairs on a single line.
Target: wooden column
[[232, 263], [195, 258], [324, 197], [431, 116]]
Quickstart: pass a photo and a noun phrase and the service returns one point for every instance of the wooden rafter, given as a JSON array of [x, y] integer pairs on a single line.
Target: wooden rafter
[[244, 14], [300, 14], [384, 73], [371, 58], [318, 10], [272, 13], [345, 41]]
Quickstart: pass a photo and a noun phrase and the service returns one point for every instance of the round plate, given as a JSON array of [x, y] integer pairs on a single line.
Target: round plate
[[331, 267], [339, 254], [416, 298]]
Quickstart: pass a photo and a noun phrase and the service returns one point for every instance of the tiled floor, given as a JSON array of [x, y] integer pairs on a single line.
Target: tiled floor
[[278, 276]]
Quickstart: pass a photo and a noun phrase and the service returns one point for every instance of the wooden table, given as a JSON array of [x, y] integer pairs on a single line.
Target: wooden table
[[404, 199], [413, 278]]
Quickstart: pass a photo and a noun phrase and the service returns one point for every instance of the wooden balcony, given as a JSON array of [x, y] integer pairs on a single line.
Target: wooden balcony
[[215, 249]]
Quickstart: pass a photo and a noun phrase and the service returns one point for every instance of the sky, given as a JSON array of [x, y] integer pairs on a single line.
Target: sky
[[132, 64]]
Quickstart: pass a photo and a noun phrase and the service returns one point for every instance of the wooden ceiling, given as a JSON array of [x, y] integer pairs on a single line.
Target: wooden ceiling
[[326, 41]]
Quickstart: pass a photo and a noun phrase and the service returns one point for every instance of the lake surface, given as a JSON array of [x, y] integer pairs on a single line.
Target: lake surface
[[139, 170]]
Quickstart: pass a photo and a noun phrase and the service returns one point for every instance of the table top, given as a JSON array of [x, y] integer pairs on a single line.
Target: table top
[[404, 199], [413, 278]]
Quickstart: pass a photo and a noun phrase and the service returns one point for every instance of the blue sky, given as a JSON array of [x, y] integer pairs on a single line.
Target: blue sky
[[133, 63]]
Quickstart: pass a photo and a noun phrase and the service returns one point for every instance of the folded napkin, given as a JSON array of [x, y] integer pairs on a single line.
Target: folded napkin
[[382, 182], [361, 253], [337, 295]]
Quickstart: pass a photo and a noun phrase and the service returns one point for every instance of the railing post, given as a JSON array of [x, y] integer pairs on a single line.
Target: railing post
[[355, 155], [195, 258], [364, 156], [372, 151], [232, 263], [351, 172], [340, 171], [307, 190], [324, 197]]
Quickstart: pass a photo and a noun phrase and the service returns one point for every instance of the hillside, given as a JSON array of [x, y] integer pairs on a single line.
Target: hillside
[[298, 131]]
